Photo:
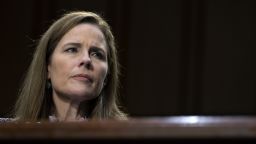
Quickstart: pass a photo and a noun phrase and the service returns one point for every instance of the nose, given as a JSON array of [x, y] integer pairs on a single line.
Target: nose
[[85, 60]]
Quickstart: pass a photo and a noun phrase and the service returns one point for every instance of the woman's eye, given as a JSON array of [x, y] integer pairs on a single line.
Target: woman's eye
[[97, 54], [71, 50]]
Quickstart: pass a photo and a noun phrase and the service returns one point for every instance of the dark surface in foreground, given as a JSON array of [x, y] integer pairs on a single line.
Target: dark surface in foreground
[[180, 130]]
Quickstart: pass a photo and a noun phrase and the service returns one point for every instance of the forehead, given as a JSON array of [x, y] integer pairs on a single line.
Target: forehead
[[83, 33]]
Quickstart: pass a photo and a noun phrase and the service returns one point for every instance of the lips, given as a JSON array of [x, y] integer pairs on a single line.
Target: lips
[[83, 77]]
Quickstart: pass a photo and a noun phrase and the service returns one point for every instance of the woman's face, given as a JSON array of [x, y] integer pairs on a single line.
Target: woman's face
[[78, 65]]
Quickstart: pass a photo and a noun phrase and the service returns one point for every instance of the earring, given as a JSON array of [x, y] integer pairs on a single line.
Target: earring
[[48, 84], [105, 81]]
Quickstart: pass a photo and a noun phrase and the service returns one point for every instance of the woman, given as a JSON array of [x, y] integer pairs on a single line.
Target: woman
[[74, 73]]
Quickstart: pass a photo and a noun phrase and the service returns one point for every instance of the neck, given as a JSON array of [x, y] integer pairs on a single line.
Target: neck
[[66, 109]]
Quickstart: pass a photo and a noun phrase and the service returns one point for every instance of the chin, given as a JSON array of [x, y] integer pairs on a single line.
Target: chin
[[82, 96]]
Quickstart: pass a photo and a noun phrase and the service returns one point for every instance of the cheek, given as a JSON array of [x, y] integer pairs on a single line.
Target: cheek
[[58, 68], [101, 74], [104, 72]]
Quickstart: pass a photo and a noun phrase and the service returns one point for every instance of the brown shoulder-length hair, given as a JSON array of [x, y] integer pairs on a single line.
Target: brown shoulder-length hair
[[35, 97]]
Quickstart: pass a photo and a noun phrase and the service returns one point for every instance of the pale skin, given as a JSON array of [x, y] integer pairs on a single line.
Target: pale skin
[[77, 70]]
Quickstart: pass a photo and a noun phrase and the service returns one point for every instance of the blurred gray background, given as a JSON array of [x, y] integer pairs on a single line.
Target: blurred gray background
[[178, 57]]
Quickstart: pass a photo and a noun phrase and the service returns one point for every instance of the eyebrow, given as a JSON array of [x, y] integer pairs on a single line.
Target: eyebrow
[[93, 47]]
